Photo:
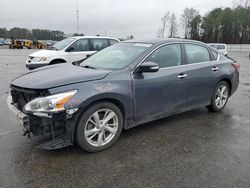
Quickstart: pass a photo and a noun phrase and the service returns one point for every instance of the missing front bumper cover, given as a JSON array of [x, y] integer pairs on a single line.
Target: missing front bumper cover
[[58, 128], [56, 143]]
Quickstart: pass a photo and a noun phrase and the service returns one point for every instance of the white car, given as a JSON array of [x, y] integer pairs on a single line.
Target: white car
[[69, 50], [220, 47]]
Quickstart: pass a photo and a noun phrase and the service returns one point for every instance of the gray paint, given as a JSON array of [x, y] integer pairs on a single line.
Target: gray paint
[[144, 96]]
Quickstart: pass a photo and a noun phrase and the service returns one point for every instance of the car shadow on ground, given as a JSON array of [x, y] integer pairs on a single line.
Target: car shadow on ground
[[145, 134]]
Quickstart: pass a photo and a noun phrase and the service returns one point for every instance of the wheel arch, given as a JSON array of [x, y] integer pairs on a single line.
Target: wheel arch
[[229, 82], [61, 60], [121, 101], [113, 100]]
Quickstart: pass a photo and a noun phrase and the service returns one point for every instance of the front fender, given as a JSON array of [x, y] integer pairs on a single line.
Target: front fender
[[58, 57], [91, 92]]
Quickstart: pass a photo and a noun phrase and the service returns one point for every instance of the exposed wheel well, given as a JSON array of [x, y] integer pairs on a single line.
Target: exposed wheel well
[[56, 61]]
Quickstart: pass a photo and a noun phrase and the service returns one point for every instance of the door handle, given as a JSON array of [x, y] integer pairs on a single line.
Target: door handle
[[215, 68], [182, 76]]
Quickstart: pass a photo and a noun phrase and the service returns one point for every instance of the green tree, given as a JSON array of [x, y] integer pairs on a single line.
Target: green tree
[[195, 25]]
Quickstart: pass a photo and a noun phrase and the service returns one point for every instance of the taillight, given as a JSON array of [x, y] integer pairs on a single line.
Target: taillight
[[236, 66]]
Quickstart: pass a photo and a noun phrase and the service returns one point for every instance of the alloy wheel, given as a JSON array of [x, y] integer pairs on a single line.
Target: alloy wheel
[[101, 127], [221, 96]]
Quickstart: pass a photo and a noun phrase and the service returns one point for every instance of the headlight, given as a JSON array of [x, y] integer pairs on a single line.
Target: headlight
[[52, 103], [39, 59]]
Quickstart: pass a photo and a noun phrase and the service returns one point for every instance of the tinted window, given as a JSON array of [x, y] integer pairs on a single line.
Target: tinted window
[[113, 41], [166, 56], [99, 44], [218, 46], [80, 45], [196, 53], [215, 54]]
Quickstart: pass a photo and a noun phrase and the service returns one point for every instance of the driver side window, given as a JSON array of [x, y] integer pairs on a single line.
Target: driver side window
[[166, 56], [80, 45]]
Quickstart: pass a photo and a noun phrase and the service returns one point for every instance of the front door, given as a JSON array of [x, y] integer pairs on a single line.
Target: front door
[[161, 92], [79, 50]]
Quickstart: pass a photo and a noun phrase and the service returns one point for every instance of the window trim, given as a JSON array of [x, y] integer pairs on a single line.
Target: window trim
[[185, 53], [218, 54]]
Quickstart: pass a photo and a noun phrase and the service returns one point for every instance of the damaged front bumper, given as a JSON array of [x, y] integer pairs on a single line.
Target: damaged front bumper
[[57, 129]]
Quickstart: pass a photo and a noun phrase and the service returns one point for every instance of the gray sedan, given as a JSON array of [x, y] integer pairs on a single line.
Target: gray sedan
[[122, 86]]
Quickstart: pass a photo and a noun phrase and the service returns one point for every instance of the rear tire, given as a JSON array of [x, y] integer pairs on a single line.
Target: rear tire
[[220, 97], [99, 127]]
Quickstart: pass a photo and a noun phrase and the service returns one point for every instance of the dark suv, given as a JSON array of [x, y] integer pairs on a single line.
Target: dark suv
[[122, 86]]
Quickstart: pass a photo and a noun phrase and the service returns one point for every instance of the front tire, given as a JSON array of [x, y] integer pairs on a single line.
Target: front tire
[[99, 127], [220, 97]]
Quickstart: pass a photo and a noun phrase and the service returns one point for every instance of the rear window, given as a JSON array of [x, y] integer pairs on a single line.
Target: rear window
[[218, 46], [196, 53], [99, 44], [221, 47]]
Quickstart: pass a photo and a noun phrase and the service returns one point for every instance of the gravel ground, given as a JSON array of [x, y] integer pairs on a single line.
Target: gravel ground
[[192, 149]]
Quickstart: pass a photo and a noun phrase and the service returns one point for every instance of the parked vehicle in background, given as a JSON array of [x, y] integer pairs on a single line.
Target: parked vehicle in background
[[34, 44], [16, 44], [69, 50], [2, 41], [220, 47], [50, 43], [7, 41], [120, 87]]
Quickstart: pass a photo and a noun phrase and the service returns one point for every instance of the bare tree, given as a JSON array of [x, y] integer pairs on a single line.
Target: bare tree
[[241, 3], [164, 20], [186, 17], [159, 33], [173, 25]]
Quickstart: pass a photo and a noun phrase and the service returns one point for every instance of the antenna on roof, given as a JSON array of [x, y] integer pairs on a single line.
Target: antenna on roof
[[77, 17]]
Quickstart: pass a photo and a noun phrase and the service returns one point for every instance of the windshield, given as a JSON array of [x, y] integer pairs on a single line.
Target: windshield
[[62, 44], [116, 56]]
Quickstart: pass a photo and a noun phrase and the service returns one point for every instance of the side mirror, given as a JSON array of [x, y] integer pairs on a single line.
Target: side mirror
[[69, 49], [149, 67]]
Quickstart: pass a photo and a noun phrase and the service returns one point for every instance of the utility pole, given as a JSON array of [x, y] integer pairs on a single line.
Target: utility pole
[[77, 17]]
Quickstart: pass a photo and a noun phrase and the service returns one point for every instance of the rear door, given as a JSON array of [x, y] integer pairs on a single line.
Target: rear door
[[161, 92], [97, 44], [202, 74]]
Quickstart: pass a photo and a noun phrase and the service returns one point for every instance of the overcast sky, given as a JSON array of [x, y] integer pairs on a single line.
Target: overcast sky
[[140, 18]]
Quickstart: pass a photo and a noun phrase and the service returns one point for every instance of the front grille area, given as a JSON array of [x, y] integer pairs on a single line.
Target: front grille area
[[21, 96]]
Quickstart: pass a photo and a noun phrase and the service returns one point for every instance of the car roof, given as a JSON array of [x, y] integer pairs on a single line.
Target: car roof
[[216, 44], [101, 37], [158, 41]]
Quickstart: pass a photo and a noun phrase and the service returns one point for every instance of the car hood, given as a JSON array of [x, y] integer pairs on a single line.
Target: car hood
[[58, 75], [44, 53]]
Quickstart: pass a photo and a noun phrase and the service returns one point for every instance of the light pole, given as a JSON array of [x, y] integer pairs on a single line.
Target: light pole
[[77, 17]]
